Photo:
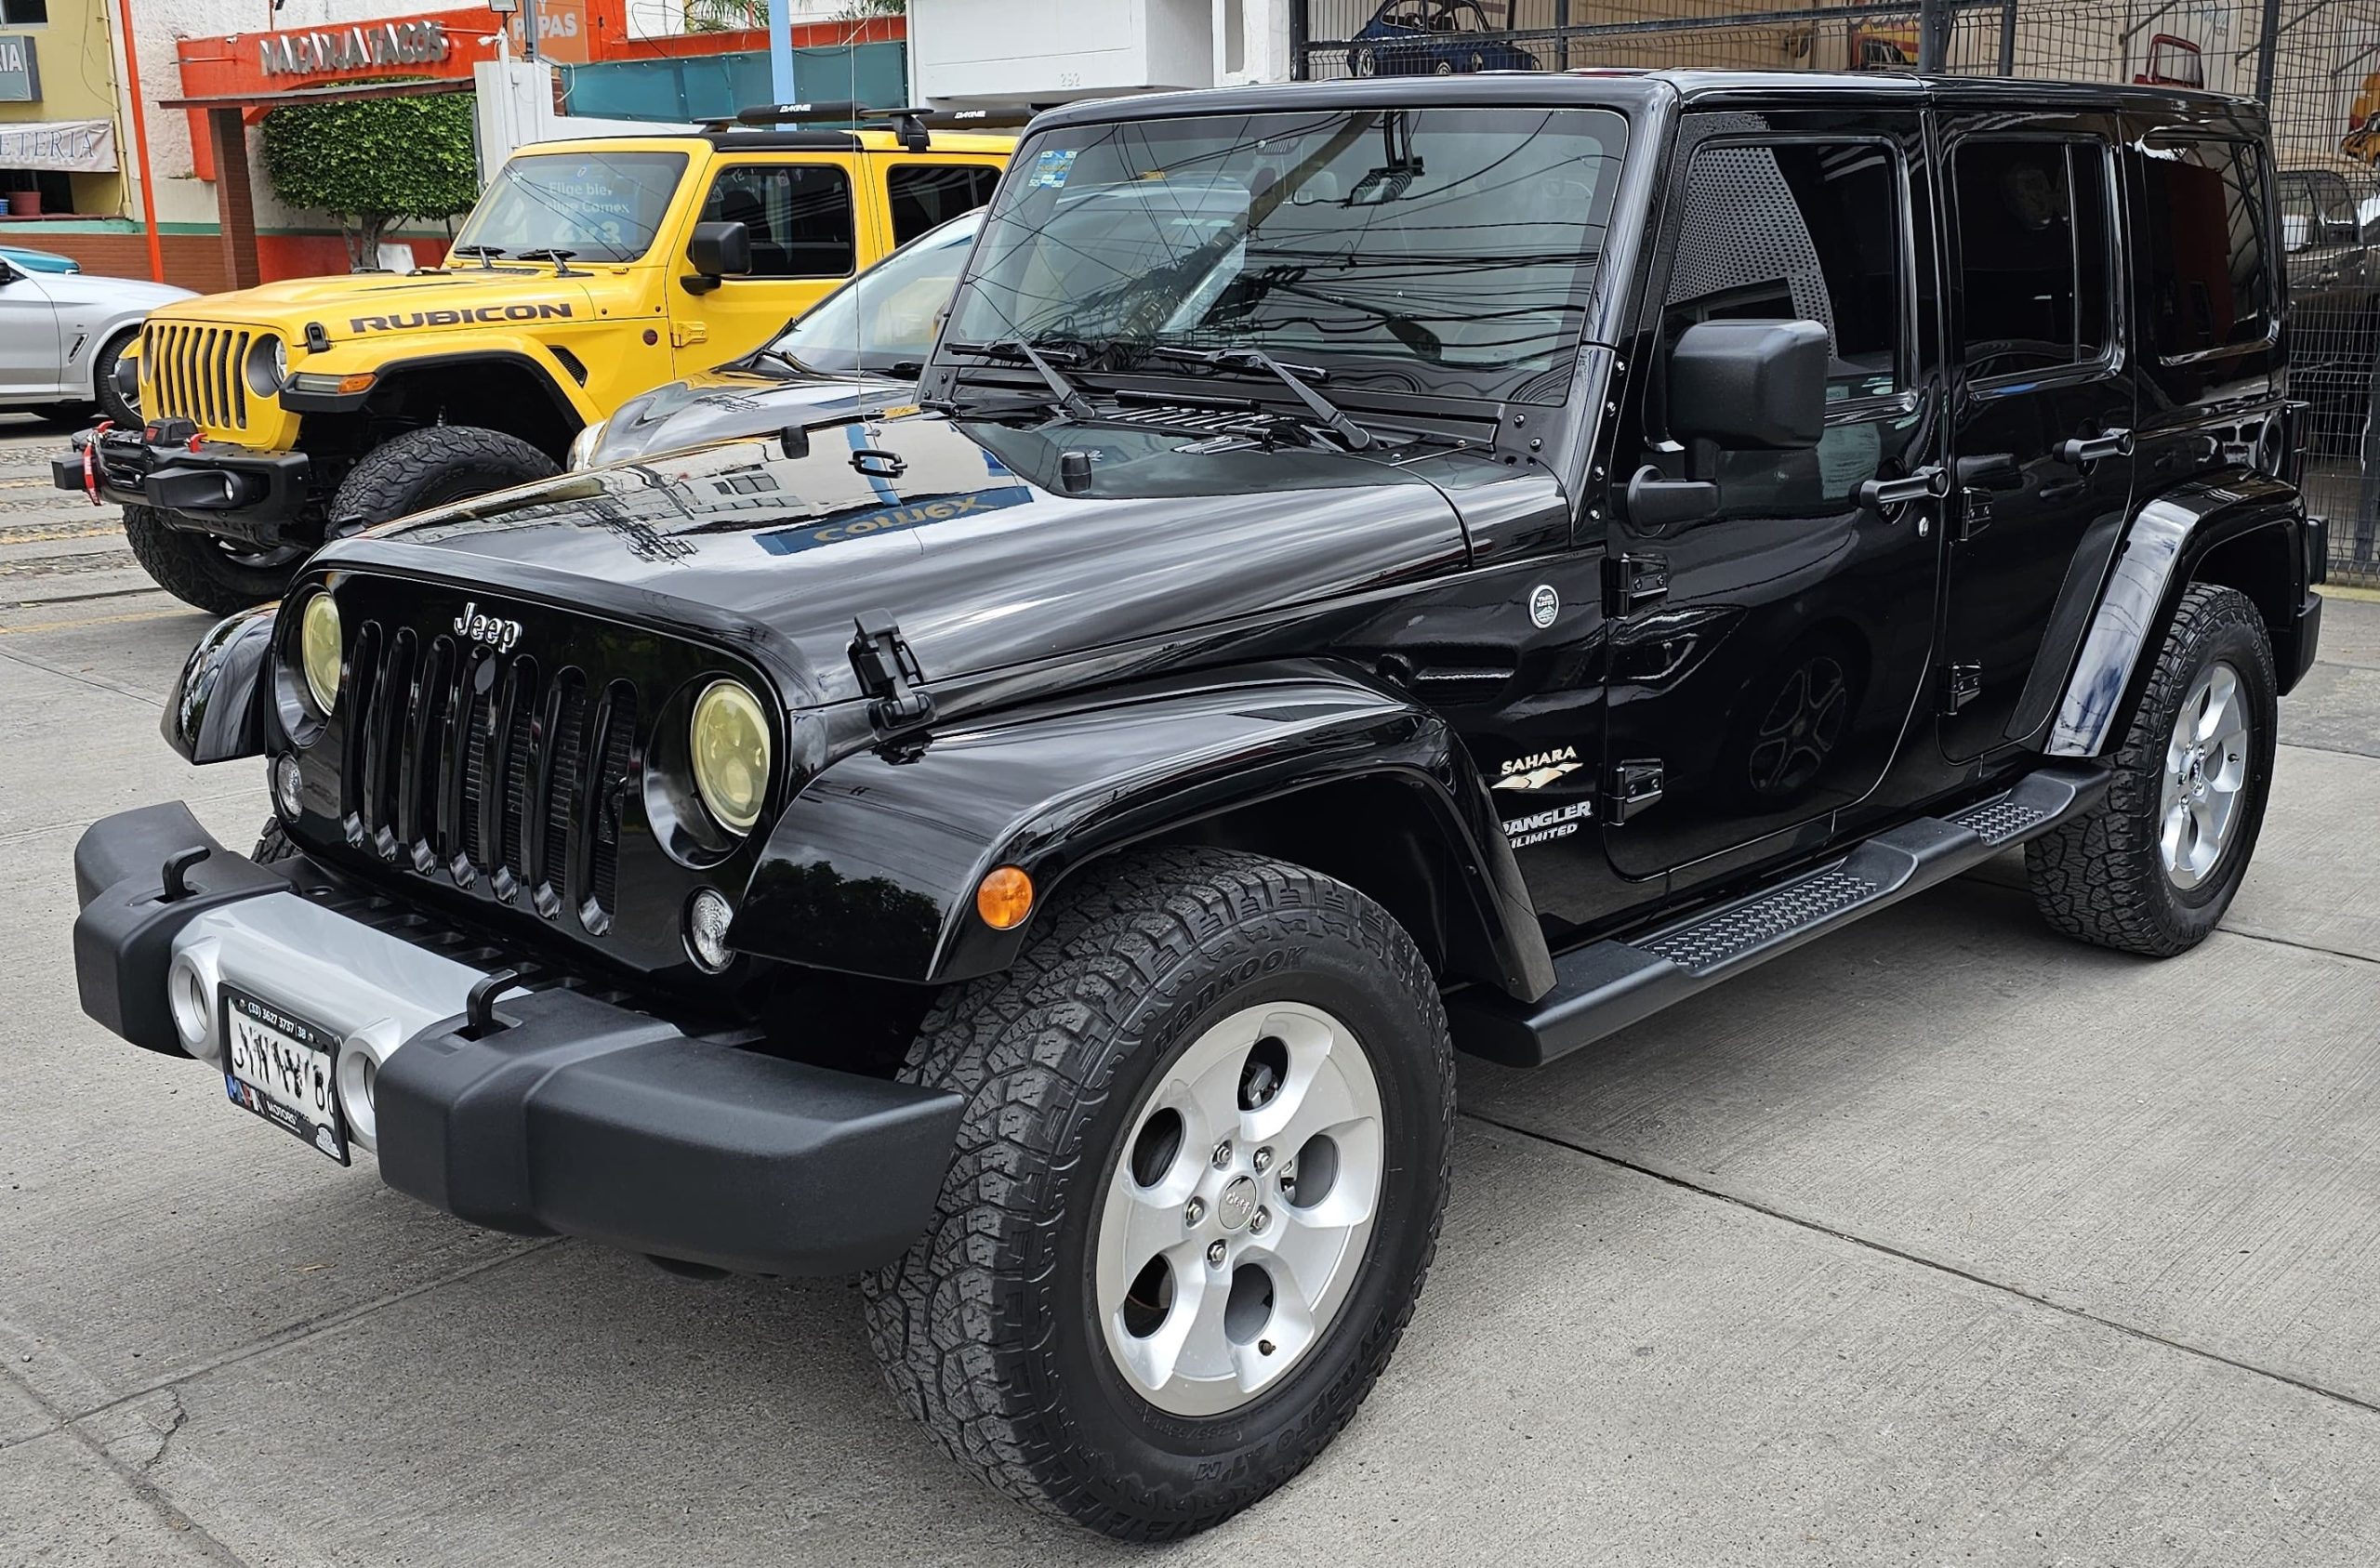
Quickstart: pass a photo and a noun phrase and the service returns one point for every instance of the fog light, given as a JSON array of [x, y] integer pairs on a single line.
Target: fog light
[[288, 785], [706, 920], [1004, 898]]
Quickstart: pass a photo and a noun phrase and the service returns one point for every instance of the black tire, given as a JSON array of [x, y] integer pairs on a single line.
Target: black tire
[[112, 403], [272, 843], [200, 568], [988, 1329], [2102, 878], [431, 468]]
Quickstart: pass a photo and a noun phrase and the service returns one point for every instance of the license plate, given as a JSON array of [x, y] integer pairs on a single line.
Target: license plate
[[283, 1069]]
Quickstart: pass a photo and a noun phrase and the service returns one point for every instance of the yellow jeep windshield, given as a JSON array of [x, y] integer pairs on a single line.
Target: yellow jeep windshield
[[599, 207]]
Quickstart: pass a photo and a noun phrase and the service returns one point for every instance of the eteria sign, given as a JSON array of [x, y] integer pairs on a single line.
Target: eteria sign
[[352, 48]]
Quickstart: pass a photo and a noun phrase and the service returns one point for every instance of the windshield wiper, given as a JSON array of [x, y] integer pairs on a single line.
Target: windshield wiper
[[1291, 376], [1070, 397], [487, 255], [561, 258]]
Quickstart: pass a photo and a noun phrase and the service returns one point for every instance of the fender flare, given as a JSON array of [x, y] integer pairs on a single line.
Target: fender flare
[[2168, 535], [872, 868], [546, 372], [215, 711]]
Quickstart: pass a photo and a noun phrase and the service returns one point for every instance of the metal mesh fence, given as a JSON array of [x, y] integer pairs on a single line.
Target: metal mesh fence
[[2316, 63]]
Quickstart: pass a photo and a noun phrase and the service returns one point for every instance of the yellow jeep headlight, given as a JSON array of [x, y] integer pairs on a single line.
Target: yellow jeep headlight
[[731, 754], [319, 648]]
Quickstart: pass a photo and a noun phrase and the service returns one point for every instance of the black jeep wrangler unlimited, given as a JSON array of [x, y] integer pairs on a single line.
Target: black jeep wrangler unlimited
[[1381, 569]]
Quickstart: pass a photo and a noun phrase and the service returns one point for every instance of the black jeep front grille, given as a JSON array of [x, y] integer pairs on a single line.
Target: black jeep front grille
[[469, 763]]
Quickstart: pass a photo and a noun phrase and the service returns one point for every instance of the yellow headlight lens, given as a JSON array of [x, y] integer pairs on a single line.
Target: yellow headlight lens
[[319, 649], [731, 752]]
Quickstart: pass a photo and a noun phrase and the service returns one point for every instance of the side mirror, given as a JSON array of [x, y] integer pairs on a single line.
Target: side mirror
[[718, 250], [1757, 386]]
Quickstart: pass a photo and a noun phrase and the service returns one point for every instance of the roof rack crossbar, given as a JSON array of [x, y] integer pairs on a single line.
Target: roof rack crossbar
[[912, 125]]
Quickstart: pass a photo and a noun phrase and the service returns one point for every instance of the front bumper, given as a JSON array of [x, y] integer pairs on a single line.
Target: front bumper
[[563, 1116], [208, 485]]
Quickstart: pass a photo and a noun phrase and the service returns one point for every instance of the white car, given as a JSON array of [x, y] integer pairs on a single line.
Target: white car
[[61, 334]]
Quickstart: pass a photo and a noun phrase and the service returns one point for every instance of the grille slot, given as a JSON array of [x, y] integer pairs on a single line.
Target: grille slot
[[199, 373], [475, 767]]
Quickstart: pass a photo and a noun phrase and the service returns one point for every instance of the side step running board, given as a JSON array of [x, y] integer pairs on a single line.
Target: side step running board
[[1606, 986]]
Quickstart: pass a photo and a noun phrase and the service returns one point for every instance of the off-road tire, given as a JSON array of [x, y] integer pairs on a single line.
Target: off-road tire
[[2101, 878], [432, 467], [988, 1330], [111, 401], [272, 843], [195, 569]]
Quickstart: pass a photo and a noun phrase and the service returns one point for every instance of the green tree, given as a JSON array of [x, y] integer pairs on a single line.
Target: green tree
[[372, 162]]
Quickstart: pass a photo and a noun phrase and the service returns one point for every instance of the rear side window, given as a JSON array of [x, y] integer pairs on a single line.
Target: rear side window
[[927, 196], [799, 216], [2035, 253], [2204, 249]]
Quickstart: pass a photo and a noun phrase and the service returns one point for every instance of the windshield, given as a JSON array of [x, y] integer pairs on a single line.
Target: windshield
[[599, 207], [1449, 251], [884, 319]]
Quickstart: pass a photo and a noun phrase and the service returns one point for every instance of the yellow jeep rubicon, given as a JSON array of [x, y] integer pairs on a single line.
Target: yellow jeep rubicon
[[280, 417]]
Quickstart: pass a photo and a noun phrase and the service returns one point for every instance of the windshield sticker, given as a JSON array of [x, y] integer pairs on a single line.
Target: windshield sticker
[[1051, 168], [893, 520]]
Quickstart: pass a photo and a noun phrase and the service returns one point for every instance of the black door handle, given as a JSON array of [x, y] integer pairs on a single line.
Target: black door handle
[[1930, 483], [2107, 443]]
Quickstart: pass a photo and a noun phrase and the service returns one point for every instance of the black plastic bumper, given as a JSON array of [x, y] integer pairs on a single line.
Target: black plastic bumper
[[567, 1116], [208, 485]]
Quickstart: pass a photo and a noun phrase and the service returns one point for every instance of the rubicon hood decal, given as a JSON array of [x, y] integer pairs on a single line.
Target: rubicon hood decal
[[543, 310]]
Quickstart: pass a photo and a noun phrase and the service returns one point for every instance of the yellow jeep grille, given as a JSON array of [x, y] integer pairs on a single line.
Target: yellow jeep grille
[[198, 372]]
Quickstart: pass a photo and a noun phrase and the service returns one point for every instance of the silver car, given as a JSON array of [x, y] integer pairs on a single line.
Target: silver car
[[61, 334]]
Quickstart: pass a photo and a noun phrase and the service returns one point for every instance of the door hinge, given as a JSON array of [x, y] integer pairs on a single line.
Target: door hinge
[[682, 334], [1631, 787], [1634, 582], [1961, 685]]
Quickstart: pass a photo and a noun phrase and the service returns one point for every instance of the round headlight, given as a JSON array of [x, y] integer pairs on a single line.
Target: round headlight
[[319, 649], [267, 365], [730, 751]]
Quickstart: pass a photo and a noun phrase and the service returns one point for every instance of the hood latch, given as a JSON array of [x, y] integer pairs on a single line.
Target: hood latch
[[888, 672]]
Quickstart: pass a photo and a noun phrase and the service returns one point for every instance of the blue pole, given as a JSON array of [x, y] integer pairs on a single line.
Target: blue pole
[[781, 51]]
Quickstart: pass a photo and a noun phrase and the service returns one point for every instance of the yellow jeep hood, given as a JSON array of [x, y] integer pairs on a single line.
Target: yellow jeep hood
[[373, 305]]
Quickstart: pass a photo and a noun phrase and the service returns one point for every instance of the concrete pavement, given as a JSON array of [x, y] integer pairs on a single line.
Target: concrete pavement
[[1940, 1241]]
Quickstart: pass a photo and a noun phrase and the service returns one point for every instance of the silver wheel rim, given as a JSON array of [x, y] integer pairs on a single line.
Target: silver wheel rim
[[1238, 1209], [2206, 776]]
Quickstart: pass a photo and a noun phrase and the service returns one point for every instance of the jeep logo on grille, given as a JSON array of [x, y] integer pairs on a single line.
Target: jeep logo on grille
[[493, 630]]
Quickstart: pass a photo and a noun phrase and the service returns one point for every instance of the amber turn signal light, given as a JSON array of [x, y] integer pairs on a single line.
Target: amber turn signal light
[[1004, 898]]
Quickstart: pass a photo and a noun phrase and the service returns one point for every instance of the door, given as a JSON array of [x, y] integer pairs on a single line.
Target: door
[[809, 230], [2041, 439], [29, 343], [1773, 684]]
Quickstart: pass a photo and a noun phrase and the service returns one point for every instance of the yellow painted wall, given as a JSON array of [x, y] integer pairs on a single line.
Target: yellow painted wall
[[77, 58]]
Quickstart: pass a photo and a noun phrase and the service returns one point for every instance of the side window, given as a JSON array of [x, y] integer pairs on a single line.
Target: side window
[[798, 215], [1810, 230], [2035, 253], [926, 194], [2204, 246]]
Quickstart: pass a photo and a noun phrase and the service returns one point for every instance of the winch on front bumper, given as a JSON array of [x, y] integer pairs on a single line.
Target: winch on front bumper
[[217, 486], [538, 1112]]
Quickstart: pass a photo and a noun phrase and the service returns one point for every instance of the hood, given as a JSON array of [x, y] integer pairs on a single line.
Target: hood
[[367, 303], [963, 531], [112, 294], [724, 404]]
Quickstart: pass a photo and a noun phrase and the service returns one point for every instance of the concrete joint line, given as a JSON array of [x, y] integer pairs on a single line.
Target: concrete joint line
[[1934, 1265]]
